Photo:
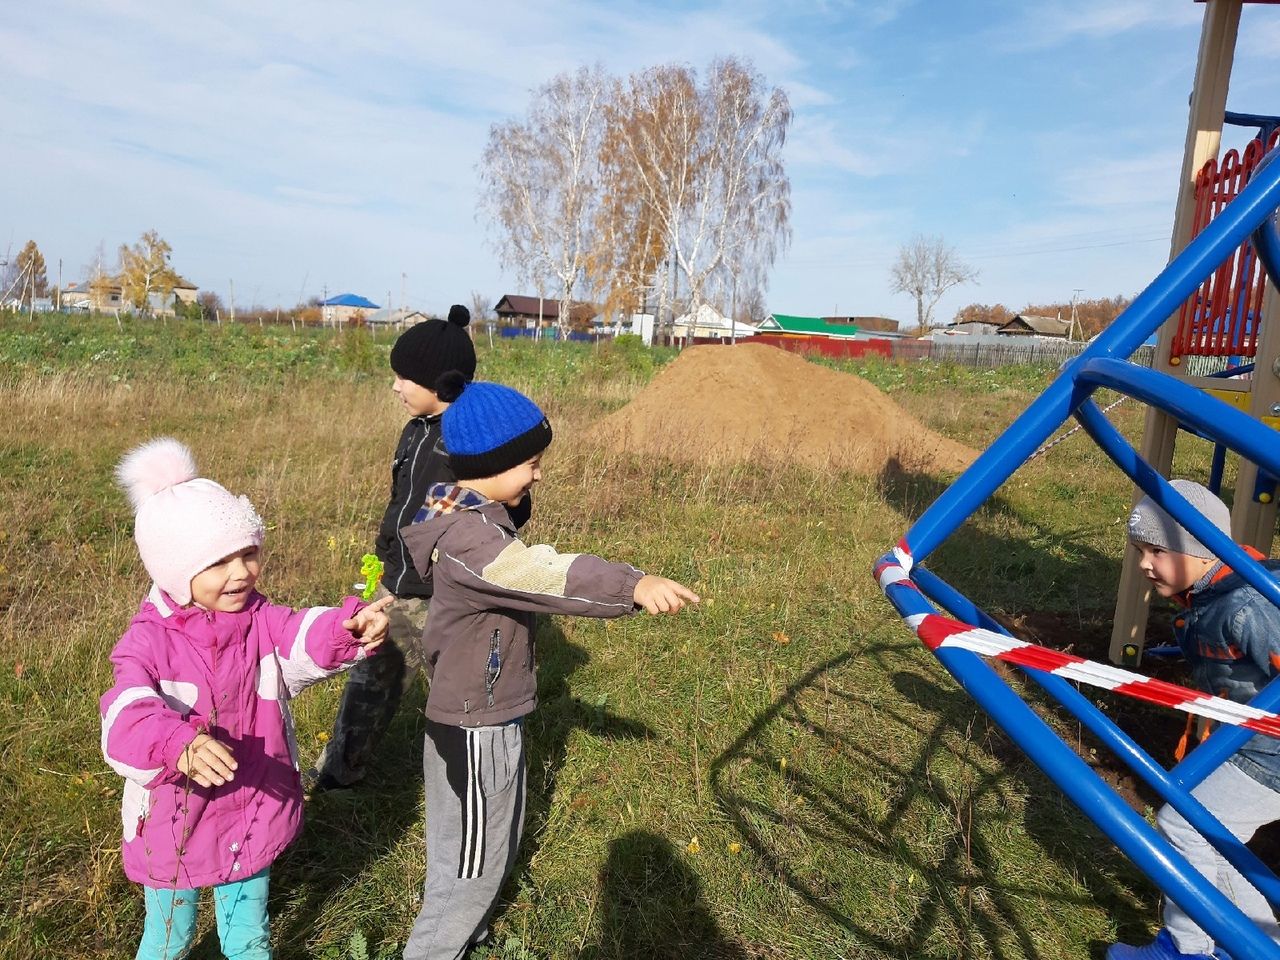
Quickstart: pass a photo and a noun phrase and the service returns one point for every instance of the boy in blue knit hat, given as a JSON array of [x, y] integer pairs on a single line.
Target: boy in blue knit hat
[[478, 650]]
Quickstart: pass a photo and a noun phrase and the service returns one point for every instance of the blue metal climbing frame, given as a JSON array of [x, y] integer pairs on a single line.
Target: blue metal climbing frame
[[919, 594]]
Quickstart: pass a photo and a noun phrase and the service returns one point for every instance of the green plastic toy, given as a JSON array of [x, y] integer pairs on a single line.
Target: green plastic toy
[[371, 570]]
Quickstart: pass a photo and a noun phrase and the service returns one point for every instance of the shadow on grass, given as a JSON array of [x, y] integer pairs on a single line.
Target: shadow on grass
[[1053, 564], [970, 908], [651, 906], [348, 831], [547, 732]]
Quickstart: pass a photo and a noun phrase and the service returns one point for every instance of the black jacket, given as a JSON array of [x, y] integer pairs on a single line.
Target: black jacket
[[420, 461]]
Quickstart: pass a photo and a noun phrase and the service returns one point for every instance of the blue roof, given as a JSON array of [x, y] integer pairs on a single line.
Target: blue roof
[[349, 300]]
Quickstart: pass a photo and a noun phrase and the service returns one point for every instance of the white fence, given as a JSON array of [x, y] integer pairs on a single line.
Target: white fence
[[1015, 350]]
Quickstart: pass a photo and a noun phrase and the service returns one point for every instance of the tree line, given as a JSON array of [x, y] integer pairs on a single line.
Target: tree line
[[644, 192], [1093, 315], [141, 276]]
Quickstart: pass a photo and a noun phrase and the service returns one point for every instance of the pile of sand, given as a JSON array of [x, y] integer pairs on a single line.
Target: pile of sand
[[725, 404]]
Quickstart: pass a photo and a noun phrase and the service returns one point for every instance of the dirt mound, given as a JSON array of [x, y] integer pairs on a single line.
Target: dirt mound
[[724, 404]]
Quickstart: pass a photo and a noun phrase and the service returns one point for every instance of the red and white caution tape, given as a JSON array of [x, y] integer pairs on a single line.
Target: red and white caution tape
[[938, 631]]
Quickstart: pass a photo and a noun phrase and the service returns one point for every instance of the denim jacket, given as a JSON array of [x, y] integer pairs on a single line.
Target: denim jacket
[[1230, 635]]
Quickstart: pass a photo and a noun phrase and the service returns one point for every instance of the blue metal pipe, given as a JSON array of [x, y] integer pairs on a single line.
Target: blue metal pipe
[[1218, 420], [1266, 239], [1153, 855], [1050, 410], [1120, 743], [1227, 739], [1216, 467]]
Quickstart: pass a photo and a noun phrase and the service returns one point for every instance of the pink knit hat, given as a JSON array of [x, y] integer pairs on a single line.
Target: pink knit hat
[[183, 523]]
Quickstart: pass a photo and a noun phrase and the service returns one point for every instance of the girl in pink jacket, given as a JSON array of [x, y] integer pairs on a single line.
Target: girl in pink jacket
[[198, 720]]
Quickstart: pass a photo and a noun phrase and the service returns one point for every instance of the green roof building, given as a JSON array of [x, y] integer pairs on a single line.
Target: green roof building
[[808, 326]]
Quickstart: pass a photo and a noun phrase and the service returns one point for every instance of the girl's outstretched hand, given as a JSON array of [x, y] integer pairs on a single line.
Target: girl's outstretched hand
[[207, 762], [660, 595], [369, 625]]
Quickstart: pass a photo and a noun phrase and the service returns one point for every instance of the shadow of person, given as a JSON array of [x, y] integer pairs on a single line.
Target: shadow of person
[[651, 906], [345, 832], [547, 731]]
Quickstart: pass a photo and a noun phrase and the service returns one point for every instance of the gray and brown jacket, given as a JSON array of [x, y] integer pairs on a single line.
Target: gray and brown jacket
[[478, 642]]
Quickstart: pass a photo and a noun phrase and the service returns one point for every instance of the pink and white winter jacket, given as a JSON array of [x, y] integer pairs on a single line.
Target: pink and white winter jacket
[[181, 671]]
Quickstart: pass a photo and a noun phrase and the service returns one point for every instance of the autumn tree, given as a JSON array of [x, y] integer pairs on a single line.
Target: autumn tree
[[694, 185], [539, 183], [29, 278], [994, 313], [1092, 315], [210, 305], [926, 268], [144, 270]]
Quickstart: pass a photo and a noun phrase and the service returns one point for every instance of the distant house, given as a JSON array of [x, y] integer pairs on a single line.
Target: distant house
[[967, 328], [345, 308], [395, 317], [1027, 325], [868, 324], [782, 323], [514, 310], [108, 296], [707, 321]]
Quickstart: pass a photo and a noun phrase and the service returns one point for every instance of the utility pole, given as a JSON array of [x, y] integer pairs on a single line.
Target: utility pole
[[404, 305], [231, 305], [59, 305], [1070, 333]]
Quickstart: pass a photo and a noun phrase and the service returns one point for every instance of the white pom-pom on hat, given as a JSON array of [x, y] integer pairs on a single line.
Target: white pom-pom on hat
[[154, 466], [183, 523]]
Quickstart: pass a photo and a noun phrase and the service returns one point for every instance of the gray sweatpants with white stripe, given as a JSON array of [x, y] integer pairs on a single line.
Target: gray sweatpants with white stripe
[[475, 786]]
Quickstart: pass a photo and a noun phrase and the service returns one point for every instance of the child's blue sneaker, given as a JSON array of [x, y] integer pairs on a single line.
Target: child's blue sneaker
[[1161, 948]]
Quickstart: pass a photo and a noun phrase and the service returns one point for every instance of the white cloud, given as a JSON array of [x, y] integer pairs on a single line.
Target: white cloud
[[1051, 24]]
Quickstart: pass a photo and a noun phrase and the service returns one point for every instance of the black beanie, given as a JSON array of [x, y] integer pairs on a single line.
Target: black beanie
[[430, 349]]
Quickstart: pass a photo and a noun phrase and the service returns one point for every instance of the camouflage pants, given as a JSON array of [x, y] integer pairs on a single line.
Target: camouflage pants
[[373, 692]]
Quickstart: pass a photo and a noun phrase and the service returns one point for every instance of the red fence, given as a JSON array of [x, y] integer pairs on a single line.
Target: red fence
[[1221, 318], [827, 346]]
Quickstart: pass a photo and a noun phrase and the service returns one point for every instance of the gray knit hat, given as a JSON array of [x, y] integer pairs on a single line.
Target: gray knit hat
[[1149, 523]]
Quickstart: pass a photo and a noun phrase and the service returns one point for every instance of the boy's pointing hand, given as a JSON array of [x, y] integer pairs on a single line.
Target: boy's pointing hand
[[660, 595]]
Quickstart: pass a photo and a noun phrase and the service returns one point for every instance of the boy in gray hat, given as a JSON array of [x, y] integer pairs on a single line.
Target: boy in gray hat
[[1230, 636]]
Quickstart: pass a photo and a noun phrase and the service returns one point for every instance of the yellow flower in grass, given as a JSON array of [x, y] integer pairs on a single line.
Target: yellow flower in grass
[[333, 544], [322, 737], [782, 764], [694, 846], [735, 848]]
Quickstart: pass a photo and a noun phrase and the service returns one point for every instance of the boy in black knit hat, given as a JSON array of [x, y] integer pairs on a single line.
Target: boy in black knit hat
[[432, 361], [479, 651]]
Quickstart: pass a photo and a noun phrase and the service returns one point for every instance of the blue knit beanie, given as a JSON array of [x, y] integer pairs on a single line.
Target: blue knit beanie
[[491, 428]]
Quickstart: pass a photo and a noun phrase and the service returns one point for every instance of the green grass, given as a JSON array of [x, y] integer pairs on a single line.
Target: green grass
[[783, 772]]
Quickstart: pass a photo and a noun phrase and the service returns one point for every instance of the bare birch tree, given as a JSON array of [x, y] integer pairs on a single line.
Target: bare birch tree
[[540, 184], [742, 207], [653, 120], [697, 174], [927, 268]]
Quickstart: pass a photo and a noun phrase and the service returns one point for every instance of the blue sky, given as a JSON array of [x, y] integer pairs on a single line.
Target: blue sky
[[293, 148]]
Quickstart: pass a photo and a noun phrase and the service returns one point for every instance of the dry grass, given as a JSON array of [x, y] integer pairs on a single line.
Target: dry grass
[[899, 825]]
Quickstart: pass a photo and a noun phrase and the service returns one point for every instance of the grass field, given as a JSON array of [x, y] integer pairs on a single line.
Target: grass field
[[783, 772]]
